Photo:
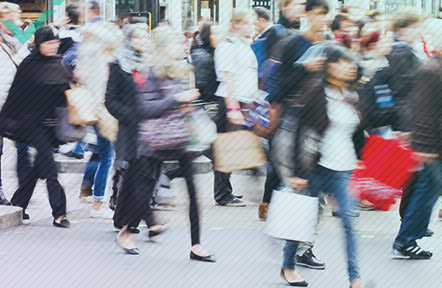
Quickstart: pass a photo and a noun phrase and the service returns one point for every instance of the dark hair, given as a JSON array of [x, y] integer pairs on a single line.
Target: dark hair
[[334, 53], [337, 22], [263, 13], [73, 12], [93, 5], [205, 34], [312, 4], [405, 18]]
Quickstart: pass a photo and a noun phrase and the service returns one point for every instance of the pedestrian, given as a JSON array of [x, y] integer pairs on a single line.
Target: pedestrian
[[331, 110], [426, 141], [203, 59], [151, 100], [12, 53], [290, 79], [28, 116], [94, 53], [237, 71]]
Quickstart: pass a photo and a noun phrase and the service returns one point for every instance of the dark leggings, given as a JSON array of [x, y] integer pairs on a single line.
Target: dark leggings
[[44, 168], [138, 186]]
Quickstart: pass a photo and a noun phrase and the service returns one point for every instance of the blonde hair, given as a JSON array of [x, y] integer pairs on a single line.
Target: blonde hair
[[165, 66], [240, 16]]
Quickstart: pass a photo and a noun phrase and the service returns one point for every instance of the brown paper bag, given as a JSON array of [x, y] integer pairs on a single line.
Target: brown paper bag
[[81, 108], [107, 124], [238, 150]]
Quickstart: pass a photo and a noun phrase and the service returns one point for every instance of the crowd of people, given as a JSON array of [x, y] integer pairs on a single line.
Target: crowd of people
[[357, 74]]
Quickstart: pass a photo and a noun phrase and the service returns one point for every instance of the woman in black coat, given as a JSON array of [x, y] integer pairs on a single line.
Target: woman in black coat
[[28, 116]]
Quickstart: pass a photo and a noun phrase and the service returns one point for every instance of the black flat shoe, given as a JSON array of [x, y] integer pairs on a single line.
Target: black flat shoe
[[130, 251], [133, 230], [63, 223], [195, 257], [294, 284]]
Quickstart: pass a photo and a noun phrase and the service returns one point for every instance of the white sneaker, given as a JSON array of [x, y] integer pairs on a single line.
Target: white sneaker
[[103, 212]]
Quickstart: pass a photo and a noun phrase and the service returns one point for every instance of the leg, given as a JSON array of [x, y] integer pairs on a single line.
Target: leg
[[407, 194], [338, 187], [89, 175], [27, 177], [105, 152], [23, 162], [3, 200], [79, 148], [289, 258], [47, 168], [187, 169], [418, 214]]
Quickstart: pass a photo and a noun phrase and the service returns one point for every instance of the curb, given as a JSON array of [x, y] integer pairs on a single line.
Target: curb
[[10, 216]]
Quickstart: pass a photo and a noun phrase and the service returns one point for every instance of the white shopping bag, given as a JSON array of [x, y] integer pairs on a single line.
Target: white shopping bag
[[292, 216]]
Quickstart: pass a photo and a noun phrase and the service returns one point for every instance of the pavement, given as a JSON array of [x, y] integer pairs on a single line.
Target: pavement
[[86, 255]]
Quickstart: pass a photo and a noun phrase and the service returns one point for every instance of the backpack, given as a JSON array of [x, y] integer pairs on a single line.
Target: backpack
[[377, 101]]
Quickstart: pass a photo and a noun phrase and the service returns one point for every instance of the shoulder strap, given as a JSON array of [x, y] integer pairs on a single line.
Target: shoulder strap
[[9, 55]]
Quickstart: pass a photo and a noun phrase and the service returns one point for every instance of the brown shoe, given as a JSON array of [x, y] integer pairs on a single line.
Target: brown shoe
[[85, 191], [440, 214], [262, 210]]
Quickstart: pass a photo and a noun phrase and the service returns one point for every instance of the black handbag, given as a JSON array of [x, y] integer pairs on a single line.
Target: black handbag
[[64, 130]]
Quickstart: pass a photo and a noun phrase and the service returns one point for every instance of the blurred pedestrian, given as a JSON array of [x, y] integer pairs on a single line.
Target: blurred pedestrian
[[28, 117], [12, 53], [331, 109], [426, 131], [237, 71]]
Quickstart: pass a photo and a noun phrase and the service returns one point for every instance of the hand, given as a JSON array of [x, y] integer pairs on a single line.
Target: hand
[[297, 183], [235, 117], [188, 96], [315, 64], [360, 165], [427, 158]]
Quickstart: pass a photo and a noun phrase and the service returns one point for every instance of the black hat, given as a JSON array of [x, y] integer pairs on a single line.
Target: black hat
[[44, 34]]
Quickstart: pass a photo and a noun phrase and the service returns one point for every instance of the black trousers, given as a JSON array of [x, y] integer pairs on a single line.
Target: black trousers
[[223, 191], [138, 186], [44, 168]]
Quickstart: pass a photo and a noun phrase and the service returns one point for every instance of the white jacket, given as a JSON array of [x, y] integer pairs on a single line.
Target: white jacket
[[7, 67]]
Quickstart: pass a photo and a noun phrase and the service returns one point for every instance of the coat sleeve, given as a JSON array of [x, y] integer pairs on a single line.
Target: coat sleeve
[[118, 100]]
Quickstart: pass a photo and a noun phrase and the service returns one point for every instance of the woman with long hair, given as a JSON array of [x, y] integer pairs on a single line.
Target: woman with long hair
[[164, 87], [331, 109]]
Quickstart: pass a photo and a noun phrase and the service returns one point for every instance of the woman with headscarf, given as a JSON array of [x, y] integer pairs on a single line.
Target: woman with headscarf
[[28, 116]]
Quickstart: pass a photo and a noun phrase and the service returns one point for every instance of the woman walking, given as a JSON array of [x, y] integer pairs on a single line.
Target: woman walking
[[138, 93], [331, 110], [28, 116]]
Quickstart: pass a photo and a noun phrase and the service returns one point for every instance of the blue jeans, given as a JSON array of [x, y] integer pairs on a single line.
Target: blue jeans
[[335, 183], [289, 259], [91, 170], [417, 216], [105, 152], [79, 148]]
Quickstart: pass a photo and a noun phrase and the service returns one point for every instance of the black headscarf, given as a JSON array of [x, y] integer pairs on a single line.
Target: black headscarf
[[38, 88]]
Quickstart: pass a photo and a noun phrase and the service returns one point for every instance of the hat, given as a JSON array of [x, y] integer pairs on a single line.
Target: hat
[[44, 34]]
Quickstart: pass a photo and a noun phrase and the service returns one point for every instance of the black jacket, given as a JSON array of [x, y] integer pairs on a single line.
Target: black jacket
[[427, 108], [38, 88], [205, 75], [122, 102], [403, 64]]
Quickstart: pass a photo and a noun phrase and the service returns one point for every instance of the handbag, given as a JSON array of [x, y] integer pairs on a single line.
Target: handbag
[[165, 133], [107, 124], [202, 130], [66, 131], [292, 215], [81, 109], [238, 150]]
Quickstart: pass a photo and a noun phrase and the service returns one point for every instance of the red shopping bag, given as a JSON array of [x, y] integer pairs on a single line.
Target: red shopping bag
[[388, 169], [388, 161], [380, 195]]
